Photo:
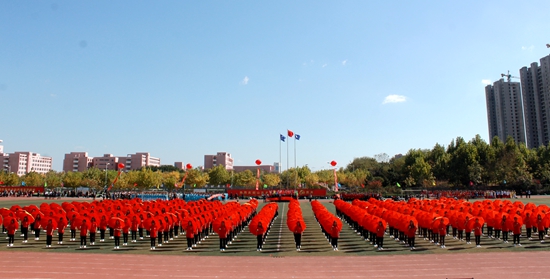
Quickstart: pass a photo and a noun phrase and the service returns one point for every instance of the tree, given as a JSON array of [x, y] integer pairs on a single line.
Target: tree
[[169, 179], [312, 180], [245, 178], [219, 175], [53, 179], [93, 178], [9, 179], [271, 179], [196, 178], [33, 179], [72, 179]]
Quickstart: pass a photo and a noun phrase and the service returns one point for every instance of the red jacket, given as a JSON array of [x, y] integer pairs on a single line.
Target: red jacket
[[93, 227], [380, 230], [222, 232], [134, 225], [12, 227], [477, 229], [411, 231], [153, 232], [540, 225], [103, 224], [49, 229], [118, 230], [83, 229], [517, 228], [189, 232], [61, 226]]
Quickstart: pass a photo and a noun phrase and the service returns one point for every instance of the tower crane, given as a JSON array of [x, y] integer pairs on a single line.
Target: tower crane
[[508, 76]]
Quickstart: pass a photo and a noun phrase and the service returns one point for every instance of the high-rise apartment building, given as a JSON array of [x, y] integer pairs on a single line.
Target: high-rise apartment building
[[535, 85], [22, 163], [79, 161], [505, 110]]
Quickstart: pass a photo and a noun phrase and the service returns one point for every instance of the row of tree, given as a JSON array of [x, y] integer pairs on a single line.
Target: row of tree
[[460, 164]]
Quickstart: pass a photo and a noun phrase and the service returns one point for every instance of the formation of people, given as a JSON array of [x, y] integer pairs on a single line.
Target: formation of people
[[127, 221]]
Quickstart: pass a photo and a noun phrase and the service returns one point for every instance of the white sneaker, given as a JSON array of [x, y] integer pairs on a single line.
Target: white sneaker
[[519, 244], [84, 246]]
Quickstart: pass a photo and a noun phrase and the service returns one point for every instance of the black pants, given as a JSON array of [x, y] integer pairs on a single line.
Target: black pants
[[334, 242], [189, 242], [505, 235], [166, 236], [478, 239], [25, 232], [60, 237], [159, 236], [153, 241], [125, 238], [442, 239], [82, 240], [49, 239], [73, 234], [37, 233], [529, 232], [468, 236], [516, 238], [117, 241], [411, 241], [102, 234], [223, 242], [92, 237], [134, 235], [541, 235], [259, 241], [497, 233], [140, 230], [380, 241], [298, 240], [11, 238]]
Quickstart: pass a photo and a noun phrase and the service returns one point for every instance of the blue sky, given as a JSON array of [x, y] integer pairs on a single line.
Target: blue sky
[[181, 79]]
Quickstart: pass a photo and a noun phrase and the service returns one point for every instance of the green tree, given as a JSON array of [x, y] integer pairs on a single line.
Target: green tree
[[196, 178], [271, 179], [244, 178], [219, 175], [53, 179], [33, 179], [72, 179]]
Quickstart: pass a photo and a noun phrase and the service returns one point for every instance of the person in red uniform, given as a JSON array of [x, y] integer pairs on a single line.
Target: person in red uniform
[[61, 225], [83, 233], [190, 235], [540, 228], [117, 231], [222, 233], [153, 231], [93, 230], [334, 235], [73, 228], [477, 232], [528, 225], [505, 229], [12, 228], [37, 227], [102, 228], [134, 228], [260, 231], [411, 232], [516, 231], [442, 230], [380, 230], [49, 233], [298, 230], [25, 228], [125, 232]]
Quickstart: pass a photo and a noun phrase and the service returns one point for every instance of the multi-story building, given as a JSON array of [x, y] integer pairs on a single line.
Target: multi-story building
[[535, 85], [264, 168], [22, 163], [221, 158], [505, 110], [79, 161]]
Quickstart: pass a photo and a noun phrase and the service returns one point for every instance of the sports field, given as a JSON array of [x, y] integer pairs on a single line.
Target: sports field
[[356, 258]]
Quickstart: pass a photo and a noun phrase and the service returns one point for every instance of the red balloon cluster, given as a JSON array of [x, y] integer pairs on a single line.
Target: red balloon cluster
[[294, 217], [188, 166], [326, 219], [265, 216], [333, 163], [258, 162]]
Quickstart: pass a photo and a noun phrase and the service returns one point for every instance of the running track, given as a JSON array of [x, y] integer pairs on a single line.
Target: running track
[[475, 265]]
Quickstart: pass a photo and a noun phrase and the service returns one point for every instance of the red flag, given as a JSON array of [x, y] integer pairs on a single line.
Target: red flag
[[257, 179], [290, 133]]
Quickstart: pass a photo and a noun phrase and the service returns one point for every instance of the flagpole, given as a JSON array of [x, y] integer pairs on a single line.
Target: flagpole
[[280, 139], [287, 164], [295, 169]]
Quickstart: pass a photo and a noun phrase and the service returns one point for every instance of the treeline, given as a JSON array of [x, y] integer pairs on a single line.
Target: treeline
[[461, 164]]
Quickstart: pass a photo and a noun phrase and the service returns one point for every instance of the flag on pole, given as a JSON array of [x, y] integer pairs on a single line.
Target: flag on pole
[[296, 136], [282, 138], [290, 133]]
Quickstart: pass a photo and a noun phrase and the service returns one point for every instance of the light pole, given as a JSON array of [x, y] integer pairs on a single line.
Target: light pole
[[106, 173]]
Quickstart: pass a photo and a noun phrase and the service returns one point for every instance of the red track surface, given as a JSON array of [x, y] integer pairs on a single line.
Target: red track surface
[[477, 265]]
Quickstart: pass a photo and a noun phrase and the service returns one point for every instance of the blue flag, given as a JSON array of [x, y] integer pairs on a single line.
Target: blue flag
[[282, 138], [297, 137], [23, 183]]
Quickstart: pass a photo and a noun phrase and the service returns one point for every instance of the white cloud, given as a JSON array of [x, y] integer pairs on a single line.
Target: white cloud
[[486, 81], [245, 80], [344, 62], [324, 65], [530, 48], [394, 99]]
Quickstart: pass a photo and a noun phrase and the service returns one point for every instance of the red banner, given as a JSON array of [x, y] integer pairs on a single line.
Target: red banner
[[36, 189], [257, 193]]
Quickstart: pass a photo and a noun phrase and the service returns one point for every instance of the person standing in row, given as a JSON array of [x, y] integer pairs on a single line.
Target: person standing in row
[[190, 235], [83, 233], [134, 228], [117, 231], [12, 228], [334, 235], [222, 233], [37, 227], [477, 232], [25, 228], [298, 230], [380, 230], [411, 232], [516, 231], [102, 228], [259, 236], [61, 225], [153, 231], [93, 230], [73, 228], [443, 231], [540, 228], [49, 233]]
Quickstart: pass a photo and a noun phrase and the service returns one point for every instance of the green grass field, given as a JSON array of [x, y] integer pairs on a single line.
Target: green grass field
[[279, 243]]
